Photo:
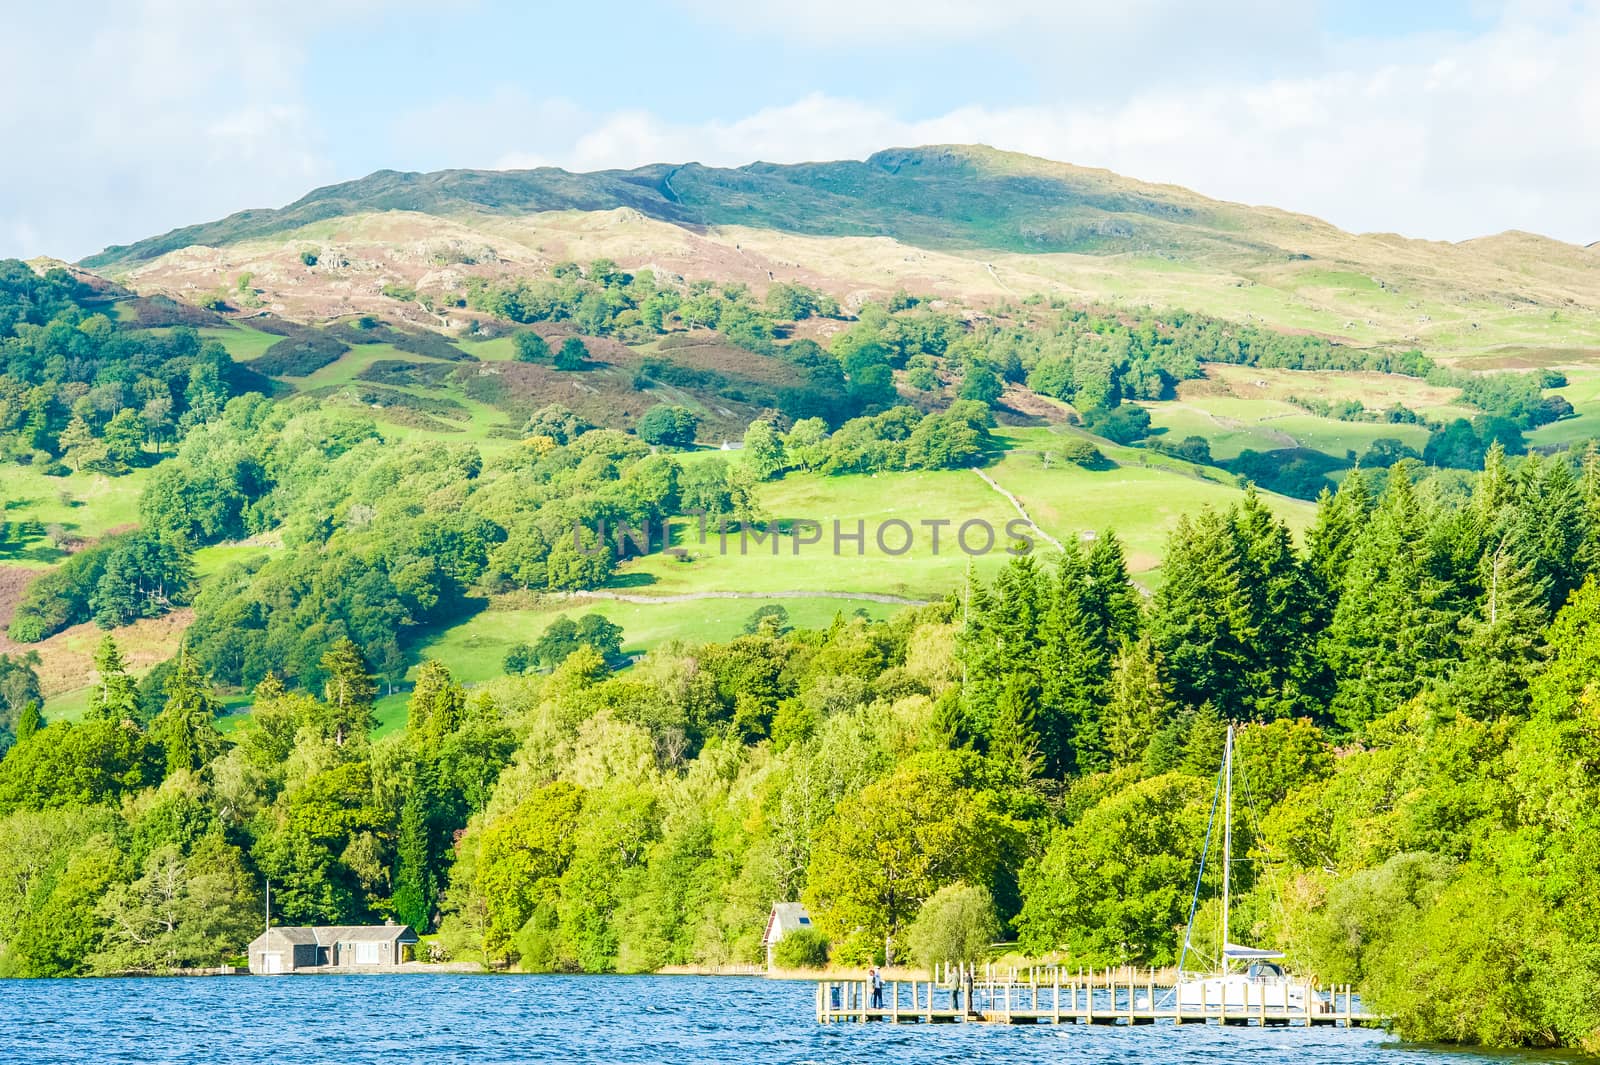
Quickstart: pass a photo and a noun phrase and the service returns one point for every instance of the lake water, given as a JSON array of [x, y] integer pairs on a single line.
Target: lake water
[[354, 1020]]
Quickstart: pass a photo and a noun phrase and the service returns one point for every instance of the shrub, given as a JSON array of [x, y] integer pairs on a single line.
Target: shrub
[[1081, 452], [573, 355], [519, 659], [956, 925], [531, 347], [804, 948]]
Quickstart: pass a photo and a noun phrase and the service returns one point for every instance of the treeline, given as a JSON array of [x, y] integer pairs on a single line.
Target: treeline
[[1097, 359], [80, 392], [116, 582], [1414, 686], [602, 300], [901, 438], [379, 537]]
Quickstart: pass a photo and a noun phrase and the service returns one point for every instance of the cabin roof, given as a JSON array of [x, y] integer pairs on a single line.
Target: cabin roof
[[327, 935], [786, 917]]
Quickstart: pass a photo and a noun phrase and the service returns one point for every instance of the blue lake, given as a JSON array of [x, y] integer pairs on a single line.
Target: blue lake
[[353, 1020]]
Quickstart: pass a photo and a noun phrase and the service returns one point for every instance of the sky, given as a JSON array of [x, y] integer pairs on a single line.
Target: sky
[[1437, 120]]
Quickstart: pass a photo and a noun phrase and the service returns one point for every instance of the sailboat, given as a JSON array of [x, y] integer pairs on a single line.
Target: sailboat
[[1246, 978]]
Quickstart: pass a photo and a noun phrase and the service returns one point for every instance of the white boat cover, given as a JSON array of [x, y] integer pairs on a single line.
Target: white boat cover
[[1234, 952]]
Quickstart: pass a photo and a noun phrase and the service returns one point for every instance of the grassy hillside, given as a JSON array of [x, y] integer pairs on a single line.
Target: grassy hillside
[[961, 222], [953, 197]]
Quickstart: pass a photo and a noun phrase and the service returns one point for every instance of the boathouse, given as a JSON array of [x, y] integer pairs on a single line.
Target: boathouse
[[307, 948], [785, 917]]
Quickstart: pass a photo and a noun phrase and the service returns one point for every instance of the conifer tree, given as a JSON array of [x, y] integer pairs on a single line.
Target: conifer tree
[[1392, 630], [1205, 737], [1137, 703], [1500, 642], [186, 726], [349, 691], [1588, 555], [1013, 741], [416, 886], [1286, 681], [1112, 600], [1494, 489], [1074, 668], [115, 696], [1341, 517], [436, 708], [1552, 527], [1002, 637], [1203, 621]]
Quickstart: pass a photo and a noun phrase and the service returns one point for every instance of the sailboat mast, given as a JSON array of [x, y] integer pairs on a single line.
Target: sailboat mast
[[1227, 836]]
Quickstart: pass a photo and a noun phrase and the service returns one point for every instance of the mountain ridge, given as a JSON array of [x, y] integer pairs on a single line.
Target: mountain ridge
[[941, 196]]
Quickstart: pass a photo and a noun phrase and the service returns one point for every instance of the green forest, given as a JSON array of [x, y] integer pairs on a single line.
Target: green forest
[[1414, 680], [1416, 684]]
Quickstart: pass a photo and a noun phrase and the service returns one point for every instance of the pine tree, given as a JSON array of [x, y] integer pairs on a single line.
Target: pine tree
[[1285, 676], [416, 882], [436, 708], [271, 688], [1112, 598], [949, 726], [114, 696], [349, 691], [1074, 668], [1341, 517], [1205, 737], [1137, 703], [1393, 629], [1494, 489], [79, 447], [1501, 640], [1588, 555], [1552, 526], [186, 727], [1001, 637], [1204, 622], [1013, 741]]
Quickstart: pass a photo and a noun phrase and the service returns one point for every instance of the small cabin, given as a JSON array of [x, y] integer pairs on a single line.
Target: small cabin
[[785, 917], [307, 948]]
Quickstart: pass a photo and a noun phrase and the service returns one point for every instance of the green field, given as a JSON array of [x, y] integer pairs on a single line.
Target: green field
[[1583, 392], [84, 505]]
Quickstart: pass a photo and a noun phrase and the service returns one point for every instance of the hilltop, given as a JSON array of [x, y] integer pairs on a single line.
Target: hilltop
[[961, 222]]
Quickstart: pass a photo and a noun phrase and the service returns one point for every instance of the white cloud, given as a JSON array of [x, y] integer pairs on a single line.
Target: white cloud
[[131, 118], [126, 119], [1478, 135], [867, 22]]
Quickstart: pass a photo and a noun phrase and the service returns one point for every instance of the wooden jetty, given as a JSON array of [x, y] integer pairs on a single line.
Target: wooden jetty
[[1055, 997]]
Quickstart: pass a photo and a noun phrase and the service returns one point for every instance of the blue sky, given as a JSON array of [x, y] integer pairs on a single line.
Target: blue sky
[[1431, 119]]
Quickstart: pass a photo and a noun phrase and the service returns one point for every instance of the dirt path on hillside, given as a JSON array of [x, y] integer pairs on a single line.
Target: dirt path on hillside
[[1015, 502]]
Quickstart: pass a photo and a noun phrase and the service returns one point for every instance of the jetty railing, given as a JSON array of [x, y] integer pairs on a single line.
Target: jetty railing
[[1050, 995]]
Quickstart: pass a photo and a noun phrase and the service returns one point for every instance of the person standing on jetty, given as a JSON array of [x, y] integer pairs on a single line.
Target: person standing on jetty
[[877, 989]]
